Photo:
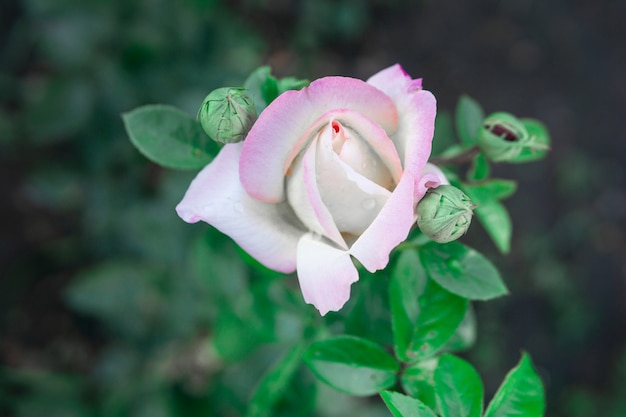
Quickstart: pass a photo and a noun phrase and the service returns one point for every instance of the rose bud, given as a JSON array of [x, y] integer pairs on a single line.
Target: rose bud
[[227, 115], [444, 214], [503, 137]]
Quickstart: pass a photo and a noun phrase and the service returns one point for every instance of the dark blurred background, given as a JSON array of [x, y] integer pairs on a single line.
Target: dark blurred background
[[83, 214]]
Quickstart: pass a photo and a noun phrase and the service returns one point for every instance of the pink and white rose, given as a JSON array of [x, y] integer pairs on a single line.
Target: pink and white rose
[[327, 173]]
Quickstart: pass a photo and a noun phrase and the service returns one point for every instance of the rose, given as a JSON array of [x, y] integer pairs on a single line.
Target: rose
[[327, 172]]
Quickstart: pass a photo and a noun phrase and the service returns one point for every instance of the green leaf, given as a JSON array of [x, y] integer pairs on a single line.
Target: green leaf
[[465, 335], [521, 393], [369, 317], [275, 383], [234, 336], [491, 213], [444, 133], [169, 137], [462, 271], [352, 365], [258, 315], [214, 263], [418, 381], [496, 220], [539, 130], [291, 83], [495, 189], [424, 315], [263, 88], [401, 405], [480, 169], [458, 388], [469, 119]]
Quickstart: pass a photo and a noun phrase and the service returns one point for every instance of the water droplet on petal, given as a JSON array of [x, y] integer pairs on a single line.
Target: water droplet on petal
[[368, 204]]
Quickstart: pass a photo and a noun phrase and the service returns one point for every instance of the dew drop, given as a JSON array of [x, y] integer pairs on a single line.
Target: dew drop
[[368, 204]]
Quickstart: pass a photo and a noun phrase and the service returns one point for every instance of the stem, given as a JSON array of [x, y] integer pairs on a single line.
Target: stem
[[460, 158], [407, 245]]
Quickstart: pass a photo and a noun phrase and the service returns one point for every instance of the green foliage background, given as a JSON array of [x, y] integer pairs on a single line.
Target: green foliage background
[[110, 305]]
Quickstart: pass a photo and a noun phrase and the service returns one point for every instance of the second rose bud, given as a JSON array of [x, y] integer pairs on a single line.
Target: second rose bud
[[444, 214], [227, 114]]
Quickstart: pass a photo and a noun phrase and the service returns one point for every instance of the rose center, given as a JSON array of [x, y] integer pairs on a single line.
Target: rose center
[[355, 152]]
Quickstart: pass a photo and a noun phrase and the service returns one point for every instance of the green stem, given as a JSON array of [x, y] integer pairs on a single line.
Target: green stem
[[407, 245], [460, 158]]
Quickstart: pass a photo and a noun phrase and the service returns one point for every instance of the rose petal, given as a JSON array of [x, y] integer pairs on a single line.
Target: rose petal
[[416, 109], [279, 127], [304, 197], [325, 274], [431, 177], [353, 200], [268, 232], [373, 139], [390, 228], [395, 220]]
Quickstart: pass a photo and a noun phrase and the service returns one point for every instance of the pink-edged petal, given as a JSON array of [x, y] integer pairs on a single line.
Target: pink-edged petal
[[370, 133], [304, 197], [280, 126], [390, 228], [377, 140], [353, 200], [431, 177], [416, 109], [268, 232], [325, 274]]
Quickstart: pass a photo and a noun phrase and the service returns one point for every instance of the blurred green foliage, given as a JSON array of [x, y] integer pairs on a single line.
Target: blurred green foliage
[[111, 306]]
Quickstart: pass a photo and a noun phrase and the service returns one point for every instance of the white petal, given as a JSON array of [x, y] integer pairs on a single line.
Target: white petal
[[390, 228], [325, 274], [431, 177], [268, 232], [304, 197], [353, 200]]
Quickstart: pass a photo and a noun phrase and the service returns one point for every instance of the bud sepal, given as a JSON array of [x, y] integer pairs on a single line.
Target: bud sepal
[[227, 114], [445, 213], [505, 138]]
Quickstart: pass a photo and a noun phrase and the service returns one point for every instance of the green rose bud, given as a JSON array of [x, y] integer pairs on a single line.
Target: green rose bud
[[503, 137], [227, 114], [444, 214]]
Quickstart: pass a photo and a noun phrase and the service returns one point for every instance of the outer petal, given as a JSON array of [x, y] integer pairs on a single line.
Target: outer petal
[[325, 274], [279, 127], [390, 228], [416, 115], [416, 120], [432, 177], [268, 232]]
